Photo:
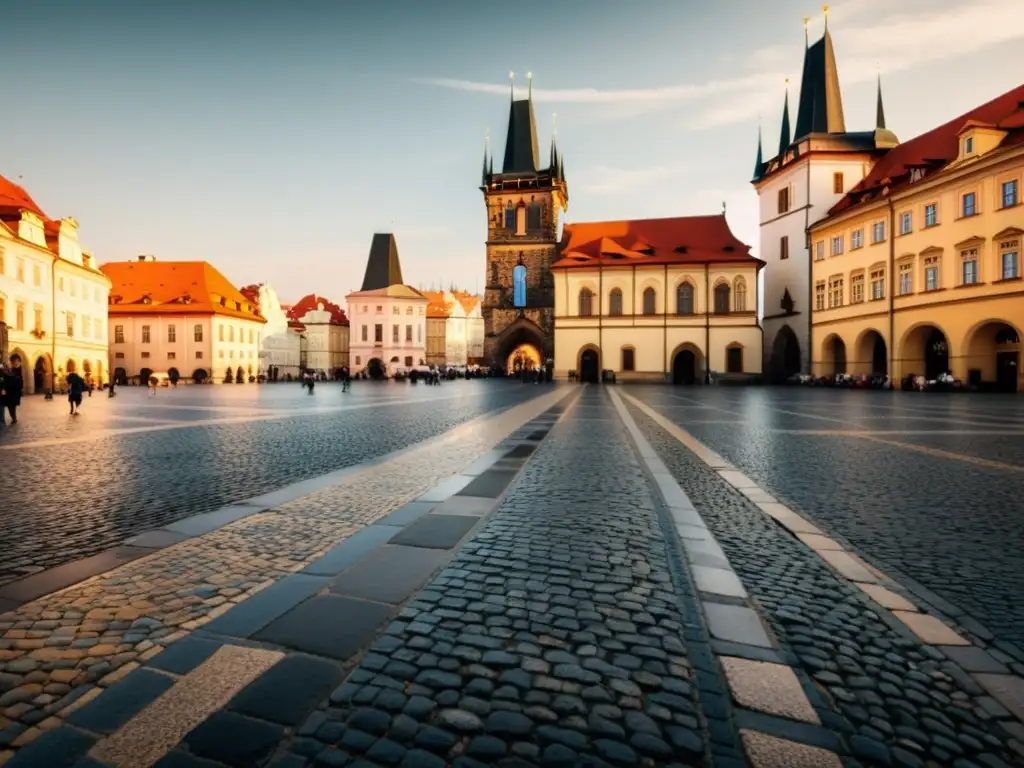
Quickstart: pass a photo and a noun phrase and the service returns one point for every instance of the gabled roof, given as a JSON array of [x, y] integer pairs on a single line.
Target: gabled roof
[[937, 148], [14, 199], [646, 242], [521, 155], [439, 306], [311, 302], [821, 101], [467, 300], [392, 291], [383, 267], [178, 287]]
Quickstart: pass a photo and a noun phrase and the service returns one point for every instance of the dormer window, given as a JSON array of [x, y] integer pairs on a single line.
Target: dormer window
[[968, 145], [916, 174]]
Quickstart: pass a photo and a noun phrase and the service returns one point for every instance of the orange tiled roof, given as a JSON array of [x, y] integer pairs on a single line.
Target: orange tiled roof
[[938, 147], [437, 307], [647, 242], [178, 287], [14, 199], [310, 302], [467, 300]]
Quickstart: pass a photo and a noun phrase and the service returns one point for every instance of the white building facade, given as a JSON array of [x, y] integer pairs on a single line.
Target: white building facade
[[814, 168], [280, 353], [324, 334], [53, 299], [387, 329]]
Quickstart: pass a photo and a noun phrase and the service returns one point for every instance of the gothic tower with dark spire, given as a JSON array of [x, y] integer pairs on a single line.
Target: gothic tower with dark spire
[[524, 202]]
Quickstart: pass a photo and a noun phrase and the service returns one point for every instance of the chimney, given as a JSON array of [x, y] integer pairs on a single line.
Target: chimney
[[146, 257]]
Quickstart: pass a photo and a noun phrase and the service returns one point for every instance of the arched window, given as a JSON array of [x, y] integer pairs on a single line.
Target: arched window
[[586, 302], [628, 359], [519, 284], [722, 299], [521, 219], [533, 217], [615, 302], [649, 301], [510, 217], [684, 299], [740, 299]]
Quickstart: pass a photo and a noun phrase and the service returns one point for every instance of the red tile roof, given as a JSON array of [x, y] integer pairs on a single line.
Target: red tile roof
[[437, 307], [178, 287], [645, 242], [313, 301], [252, 293], [14, 199], [467, 300], [938, 147]]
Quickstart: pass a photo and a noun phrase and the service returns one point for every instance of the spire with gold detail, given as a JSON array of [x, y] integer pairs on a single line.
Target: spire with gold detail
[[879, 109], [521, 154], [821, 102]]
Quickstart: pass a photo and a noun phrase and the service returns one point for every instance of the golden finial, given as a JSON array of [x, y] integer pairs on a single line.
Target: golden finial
[[825, 9], [529, 85]]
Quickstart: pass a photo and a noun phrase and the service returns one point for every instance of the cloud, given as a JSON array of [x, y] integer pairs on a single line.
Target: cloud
[[603, 180], [900, 37]]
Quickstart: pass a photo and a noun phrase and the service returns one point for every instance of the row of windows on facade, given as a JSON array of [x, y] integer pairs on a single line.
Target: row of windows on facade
[[970, 274], [786, 198], [408, 360], [395, 310], [968, 207], [198, 355], [92, 327], [39, 278], [733, 359], [726, 300], [522, 218], [197, 334], [378, 333]]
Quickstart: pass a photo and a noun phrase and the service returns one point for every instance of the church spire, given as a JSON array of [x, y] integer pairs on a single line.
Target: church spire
[[487, 148], [821, 101], [785, 136], [879, 109], [521, 154], [759, 162]]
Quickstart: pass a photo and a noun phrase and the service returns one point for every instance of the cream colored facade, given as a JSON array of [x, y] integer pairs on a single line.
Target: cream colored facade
[[326, 342], [387, 325], [53, 300], [661, 340], [928, 278]]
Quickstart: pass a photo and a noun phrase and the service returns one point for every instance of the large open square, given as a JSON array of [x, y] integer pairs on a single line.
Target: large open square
[[489, 572]]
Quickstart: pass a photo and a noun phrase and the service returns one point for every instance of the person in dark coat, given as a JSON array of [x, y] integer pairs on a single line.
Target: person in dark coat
[[11, 385], [76, 386]]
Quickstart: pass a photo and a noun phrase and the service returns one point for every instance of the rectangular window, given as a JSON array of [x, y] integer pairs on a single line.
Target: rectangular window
[[968, 145], [74, 287], [85, 327], [37, 275], [364, 336], [819, 295], [172, 355], [969, 208], [906, 223], [878, 232], [419, 334], [378, 333], [931, 215], [1010, 259], [628, 360], [734, 360], [197, 333], [819, 250], [835, 292], [969, 266], [837, 183], [394, 334], [837, 245], [97, 329], [878, 285], [408, 361], [359, 360], [199, 355], [39, 321], [19, 316], [145, 355], [220, 333], [380, 308], [408, 333], [145, 334], [172, 333], [71, 325], [784, 200], [119, 334], [1009, 193], [396, 310], [119, 355], [906, 284], [250, 336], [784, 248], [857, 289], [931, 273], [20, 270], [856, 238]]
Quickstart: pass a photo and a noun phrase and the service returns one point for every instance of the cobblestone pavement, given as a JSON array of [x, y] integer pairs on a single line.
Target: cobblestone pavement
[[946, 525], [58, 652], [555, 636], [74, 487], [894, 700]]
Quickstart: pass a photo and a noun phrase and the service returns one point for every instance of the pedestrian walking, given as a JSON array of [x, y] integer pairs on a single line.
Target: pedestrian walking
[[346, 379], [76, 386], [11, 385], [152, 386]]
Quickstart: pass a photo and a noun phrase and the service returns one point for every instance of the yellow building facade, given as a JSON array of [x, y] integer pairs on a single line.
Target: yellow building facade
[[661, 299], [918, 270]]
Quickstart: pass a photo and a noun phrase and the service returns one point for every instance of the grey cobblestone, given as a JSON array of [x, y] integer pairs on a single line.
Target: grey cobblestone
[[559, 620], [869, 681]]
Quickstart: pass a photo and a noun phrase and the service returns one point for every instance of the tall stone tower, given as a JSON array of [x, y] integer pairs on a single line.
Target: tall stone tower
[[523, 203]]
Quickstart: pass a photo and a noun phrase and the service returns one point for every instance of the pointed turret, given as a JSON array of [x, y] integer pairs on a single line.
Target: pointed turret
[[821, 101], [521, 154], [879, 109], [785, 137], [759, 162], [382, 267], [483, 172]]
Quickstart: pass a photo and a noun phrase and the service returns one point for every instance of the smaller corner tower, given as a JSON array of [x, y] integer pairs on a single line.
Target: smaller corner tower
[[524, 203]]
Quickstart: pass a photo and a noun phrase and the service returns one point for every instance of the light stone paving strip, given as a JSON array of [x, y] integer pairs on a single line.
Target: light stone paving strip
[[149, 735], [764, 686], [56, 650], [1008, 689]]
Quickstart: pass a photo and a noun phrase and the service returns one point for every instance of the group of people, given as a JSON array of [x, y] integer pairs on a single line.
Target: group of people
[[309, 380], [12, 386]]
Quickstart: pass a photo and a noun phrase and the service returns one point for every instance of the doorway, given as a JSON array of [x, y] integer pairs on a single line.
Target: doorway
[[375, 368], [684, 368], [1007, 371], [39, 376], [589, 366]]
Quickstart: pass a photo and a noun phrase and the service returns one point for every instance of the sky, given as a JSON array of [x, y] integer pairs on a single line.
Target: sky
[[274, 139]]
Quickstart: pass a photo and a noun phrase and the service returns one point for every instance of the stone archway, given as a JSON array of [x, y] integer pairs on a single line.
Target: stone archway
[[375, 368], [687, 365], [26, 379], [872, 354], [589, 365], [522, 332], [992, 350], [785, 358], [42, 374], [925, 351], [525, 357], [833, 355]]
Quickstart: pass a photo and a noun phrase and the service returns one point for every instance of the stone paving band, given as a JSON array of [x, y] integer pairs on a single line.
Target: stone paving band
[[575, 580]]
